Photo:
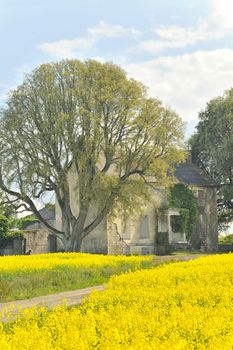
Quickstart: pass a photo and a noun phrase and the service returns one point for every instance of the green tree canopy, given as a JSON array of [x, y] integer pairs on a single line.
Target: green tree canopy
[[88, 117], [212, 146]]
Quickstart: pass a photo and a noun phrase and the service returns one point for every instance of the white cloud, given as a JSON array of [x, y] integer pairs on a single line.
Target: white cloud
[[217, 25], [67, 48], [71, 48], [172, 37], [221, 14], [187, 82], [106, 30], [184, 82]]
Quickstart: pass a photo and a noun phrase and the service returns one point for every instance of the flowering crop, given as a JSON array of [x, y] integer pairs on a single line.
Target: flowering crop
[[23, 277], [25, 263], [185, 305]]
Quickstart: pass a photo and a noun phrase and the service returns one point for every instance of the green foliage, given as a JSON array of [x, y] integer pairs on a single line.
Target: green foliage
[[22, 223], [182, 198], [7, 235], [212, 145], [7, 209], [228, 239], [13, 234], [96, 122], [187, 222], [162, 238], [4, 227]]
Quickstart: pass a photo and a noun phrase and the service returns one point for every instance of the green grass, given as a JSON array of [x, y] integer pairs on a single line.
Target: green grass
[[16, 286], [28, 284]]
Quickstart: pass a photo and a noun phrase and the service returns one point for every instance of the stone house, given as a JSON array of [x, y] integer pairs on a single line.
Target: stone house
[[140, 233]]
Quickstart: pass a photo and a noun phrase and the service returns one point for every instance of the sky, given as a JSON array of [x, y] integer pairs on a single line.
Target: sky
[[181, 49]]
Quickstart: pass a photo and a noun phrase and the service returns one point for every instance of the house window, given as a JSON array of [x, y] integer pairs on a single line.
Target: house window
[[144, 227], [175, 221]]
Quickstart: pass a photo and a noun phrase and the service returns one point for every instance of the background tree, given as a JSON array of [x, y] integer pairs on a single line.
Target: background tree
[[7, 222], [90, 118], [212, 146]]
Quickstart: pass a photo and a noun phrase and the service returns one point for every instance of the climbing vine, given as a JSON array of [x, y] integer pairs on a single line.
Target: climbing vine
[[182, 198]]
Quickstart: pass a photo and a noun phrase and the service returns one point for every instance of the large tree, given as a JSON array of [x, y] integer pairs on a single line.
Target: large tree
[[90, 117], [212, 146]]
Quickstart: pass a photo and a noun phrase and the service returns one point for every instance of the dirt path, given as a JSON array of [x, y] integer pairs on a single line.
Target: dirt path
[[167, 258], [71, 297]]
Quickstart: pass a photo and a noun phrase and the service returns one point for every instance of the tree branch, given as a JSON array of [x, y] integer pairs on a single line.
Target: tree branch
[[26, 199]]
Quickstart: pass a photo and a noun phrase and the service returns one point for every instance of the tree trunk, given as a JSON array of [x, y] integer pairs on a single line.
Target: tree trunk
[[75, 241], [79, 229], [77, 245]]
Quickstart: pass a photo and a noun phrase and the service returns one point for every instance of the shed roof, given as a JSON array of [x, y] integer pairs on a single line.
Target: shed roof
[[47, 214]]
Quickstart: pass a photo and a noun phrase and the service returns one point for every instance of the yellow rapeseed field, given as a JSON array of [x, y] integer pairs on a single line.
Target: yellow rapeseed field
[[186, 305], [23, 277], [27, 263]]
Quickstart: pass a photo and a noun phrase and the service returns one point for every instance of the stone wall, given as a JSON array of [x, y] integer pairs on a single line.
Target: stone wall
[[96, 241], [137, 234], [37, 241], [116, 243]]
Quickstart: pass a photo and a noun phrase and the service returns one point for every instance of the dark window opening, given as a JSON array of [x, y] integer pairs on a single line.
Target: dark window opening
[[175, 223]]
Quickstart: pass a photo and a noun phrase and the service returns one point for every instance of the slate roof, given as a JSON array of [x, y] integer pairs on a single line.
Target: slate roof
[[47, 214], [190, 174]]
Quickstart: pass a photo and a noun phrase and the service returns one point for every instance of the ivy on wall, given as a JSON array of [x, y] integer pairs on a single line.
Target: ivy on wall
[[182, 198]]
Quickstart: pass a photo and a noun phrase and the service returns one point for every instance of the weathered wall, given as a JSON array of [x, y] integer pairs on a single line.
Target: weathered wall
[[37, 241], [137, 234], [125, 237], [96, 241]]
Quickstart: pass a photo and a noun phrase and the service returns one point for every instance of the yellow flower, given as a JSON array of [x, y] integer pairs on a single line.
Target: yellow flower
[[177, 306]]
